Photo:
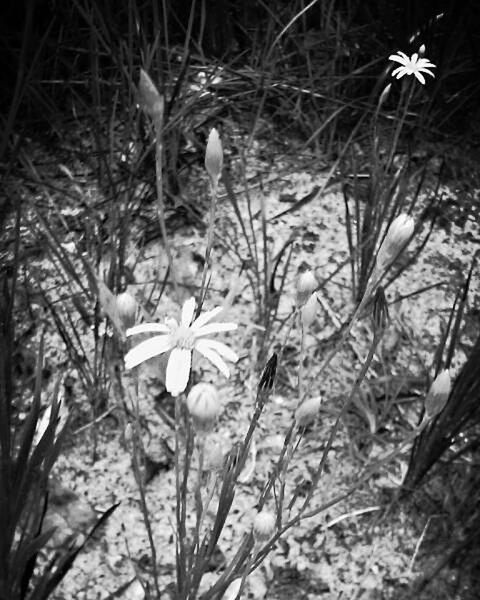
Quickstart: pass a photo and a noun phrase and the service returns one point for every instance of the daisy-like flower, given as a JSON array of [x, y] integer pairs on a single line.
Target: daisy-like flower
[[413, 65], [182, 339]]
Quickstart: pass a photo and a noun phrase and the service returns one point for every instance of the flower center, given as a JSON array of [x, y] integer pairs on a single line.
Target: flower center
[[182, 337]]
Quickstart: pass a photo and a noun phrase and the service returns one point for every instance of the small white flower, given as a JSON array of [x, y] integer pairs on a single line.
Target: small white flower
[[182, 339], [413, 65]]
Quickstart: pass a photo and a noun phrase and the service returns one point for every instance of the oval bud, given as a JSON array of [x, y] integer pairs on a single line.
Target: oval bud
[[384, 94], [398, 234], [309, 311], [438, 394], [128, 433], [127, 309], [306, 285], [152, 101], [264, 525], [307, 411], [214, 156], [204, 405]]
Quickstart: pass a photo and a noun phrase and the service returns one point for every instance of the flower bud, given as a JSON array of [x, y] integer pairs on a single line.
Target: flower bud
[[398, 234], [384, 94], [264, 525], [128, 433], [214, 156], [204, 405], [307, 411], [127, 309], [421, 50], [306, 285], [381, 317], [309, 311], [151, 100], [438, 394]]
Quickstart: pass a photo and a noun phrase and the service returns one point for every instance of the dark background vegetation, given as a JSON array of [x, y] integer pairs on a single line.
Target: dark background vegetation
[[50, 41]]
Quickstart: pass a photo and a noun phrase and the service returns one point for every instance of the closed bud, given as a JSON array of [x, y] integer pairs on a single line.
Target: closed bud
[[151, 100], [308, 311], [438, 394], [264, 525], [204, 406], [127, 309], [214, 156], [128, 433], [421, 50], [307, 411], [384, 95], [306, 285], [381, 317], [398, 234]]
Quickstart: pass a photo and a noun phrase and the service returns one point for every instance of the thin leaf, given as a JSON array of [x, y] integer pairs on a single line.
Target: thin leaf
[[50, 581]]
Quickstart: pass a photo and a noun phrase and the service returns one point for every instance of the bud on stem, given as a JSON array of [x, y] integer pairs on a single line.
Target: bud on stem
[[150, 98], [264, 525], [204, 406], [438, 394], [214, 157], [398, 235], [308, 311], [306, 285]]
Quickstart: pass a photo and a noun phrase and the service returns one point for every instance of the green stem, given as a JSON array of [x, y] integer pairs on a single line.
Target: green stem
[[137, 445], [161, 204], [210, 237], [318, 473]]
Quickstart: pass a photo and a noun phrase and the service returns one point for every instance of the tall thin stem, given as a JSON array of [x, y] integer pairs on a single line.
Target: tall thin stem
[[160, 201], [210, 237]]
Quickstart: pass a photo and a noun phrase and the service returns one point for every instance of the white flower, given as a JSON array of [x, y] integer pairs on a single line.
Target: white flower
[[411, 66], [182, 339]]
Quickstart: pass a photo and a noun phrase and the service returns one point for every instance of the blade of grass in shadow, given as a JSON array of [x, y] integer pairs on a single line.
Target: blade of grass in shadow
[[56, 571]]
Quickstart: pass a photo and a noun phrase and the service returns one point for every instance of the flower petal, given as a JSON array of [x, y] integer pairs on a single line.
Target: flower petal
[[427, 71], [424, 62], [213, 357], [206, 317], [420, 77], [178, 370], [187, 312], [214, 328], [399, 72], [147, 349], [147, 328], [219, 347], [398, 59]]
